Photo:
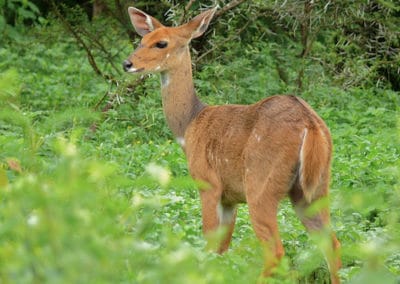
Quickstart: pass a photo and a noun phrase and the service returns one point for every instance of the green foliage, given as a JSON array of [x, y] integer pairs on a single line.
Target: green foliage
[[114, 203], [75, 218], [13, 15], [9, 89]]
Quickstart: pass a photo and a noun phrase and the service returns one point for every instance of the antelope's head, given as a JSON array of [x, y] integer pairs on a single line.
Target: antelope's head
[[161, 47]]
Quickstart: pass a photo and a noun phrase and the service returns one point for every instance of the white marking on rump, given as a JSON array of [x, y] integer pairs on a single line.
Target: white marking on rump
[[301, 168], [181, 141], [225, 214], [302, 155]]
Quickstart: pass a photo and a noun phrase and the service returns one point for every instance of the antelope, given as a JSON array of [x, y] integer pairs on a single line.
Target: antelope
[[255, 154]]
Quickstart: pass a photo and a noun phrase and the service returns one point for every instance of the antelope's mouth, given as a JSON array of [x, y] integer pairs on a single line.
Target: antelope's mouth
[[128, 67], [134, 70]]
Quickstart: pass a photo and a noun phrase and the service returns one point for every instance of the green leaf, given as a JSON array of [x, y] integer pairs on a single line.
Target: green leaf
[[9, 88], [3, 177]]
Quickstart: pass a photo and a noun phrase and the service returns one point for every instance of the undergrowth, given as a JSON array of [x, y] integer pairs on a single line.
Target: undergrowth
[[115, 204]]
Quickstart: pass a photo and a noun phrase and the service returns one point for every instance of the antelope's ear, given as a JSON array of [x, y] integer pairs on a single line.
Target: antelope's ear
[[142, 22], [199, 24]]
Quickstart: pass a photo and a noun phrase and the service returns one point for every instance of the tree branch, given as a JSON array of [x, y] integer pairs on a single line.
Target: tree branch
[[80, 41], [228, 7], [96, 42], [306, 39], [185, 10], [225, 40]]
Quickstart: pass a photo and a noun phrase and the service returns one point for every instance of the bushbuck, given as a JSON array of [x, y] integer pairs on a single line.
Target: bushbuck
[[255, 154]]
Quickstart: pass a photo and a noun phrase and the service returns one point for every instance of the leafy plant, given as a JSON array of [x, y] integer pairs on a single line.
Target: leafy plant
[[13, 14]]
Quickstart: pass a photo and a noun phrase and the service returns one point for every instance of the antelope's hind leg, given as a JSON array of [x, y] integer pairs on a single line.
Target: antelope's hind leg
[[263, 200], [319, 223], [227, 219]]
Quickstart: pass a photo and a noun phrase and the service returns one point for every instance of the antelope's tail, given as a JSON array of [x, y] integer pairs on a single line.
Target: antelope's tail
[[315, 156]]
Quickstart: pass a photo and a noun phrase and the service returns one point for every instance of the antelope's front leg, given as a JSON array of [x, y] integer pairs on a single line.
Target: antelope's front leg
[[218, 220]]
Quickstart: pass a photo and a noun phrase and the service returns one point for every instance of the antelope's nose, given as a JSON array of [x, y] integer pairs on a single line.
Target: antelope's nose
[[127, 65]]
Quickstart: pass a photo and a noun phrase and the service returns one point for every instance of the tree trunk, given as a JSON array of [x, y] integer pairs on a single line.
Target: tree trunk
[[98, 8]]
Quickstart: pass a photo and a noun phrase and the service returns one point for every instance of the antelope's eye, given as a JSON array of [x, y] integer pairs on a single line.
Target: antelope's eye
[[161, 44]]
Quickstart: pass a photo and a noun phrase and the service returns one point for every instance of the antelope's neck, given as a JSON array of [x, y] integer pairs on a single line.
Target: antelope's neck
[[180, 103]]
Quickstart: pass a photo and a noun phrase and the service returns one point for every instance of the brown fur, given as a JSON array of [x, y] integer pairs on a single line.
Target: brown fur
[[256, 153]]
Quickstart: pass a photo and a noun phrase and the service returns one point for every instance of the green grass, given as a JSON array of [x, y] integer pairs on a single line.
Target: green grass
[[78, 206]]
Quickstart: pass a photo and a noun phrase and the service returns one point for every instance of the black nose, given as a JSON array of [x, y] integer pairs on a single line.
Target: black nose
[[127, 65]]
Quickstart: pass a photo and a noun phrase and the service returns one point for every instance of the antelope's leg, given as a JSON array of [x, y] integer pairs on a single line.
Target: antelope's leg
[[215, 216], [263, 209], [319, 223], [227, 218]]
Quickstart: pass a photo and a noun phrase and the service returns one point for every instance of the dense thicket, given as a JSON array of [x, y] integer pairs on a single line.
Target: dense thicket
[[355, 43]]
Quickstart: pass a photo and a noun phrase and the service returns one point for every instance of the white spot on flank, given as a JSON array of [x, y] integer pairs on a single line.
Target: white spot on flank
[[258, 137], [158, 68], [168, 55], [181, 141], [225, 214]]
